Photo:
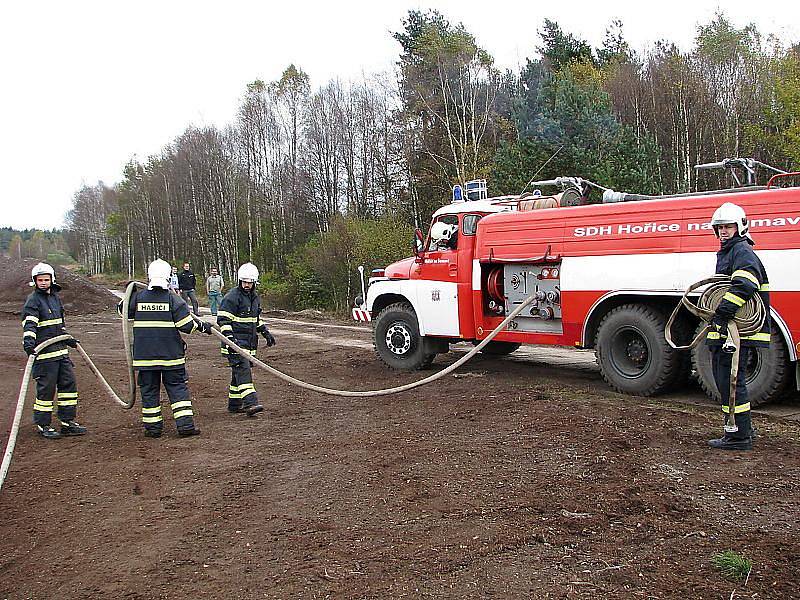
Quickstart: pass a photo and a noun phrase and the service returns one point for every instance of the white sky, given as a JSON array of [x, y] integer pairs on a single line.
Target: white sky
[[86, 85]]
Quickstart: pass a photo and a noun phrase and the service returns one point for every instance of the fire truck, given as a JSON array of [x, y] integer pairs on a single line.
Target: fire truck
[[606, 275]]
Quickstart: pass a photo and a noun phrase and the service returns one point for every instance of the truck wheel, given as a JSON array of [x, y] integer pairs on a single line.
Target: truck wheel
[[633, 355], [397, 339], [498, 348], [767, 374]]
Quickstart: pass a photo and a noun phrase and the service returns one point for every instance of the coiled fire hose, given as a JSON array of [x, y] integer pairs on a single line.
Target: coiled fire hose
[[748, 320]]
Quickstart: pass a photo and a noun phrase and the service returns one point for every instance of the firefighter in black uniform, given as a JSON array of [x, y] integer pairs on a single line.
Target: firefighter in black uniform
[[737, 259], [239, 320], [159, 351], [42, 319]]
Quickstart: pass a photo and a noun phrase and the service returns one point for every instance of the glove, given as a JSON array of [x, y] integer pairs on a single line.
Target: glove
[[262, 329], [719, 324], [72, 343], [204, 327], [28, 348]]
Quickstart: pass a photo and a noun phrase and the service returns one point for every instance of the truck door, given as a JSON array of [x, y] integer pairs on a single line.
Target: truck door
[[438, 275]]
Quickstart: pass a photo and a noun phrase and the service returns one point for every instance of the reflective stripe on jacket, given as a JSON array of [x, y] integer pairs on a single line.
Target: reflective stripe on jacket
[[42, 319], [239, 314], [158, 318], [737, 259]]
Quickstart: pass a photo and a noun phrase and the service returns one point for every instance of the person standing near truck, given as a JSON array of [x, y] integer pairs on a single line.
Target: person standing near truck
[[214, 285], [736, 259]]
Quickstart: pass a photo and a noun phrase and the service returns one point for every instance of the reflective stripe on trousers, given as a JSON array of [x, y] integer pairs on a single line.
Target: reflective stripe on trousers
[[241, 392], [55, 376], [174, 381]]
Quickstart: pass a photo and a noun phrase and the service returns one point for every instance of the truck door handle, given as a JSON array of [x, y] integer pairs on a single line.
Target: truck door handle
[[453, 269]]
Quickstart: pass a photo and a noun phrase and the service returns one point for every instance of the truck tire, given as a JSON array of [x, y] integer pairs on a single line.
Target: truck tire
[[498, 348], [632, 352], [768, 372], [397, 339]]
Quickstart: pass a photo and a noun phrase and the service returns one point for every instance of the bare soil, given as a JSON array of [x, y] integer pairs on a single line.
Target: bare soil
[[510, 479], [79, 294]]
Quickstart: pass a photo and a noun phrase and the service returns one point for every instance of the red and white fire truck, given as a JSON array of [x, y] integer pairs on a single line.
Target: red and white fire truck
[[605, 275]]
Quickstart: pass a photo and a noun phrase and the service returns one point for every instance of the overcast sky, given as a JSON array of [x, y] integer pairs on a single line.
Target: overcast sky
[[87, 85]]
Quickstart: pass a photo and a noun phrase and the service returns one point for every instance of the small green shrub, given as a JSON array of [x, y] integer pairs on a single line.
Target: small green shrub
[[275, 292], [59, 258], [732, 564]]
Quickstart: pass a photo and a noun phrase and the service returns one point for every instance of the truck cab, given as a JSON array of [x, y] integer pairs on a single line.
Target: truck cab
[[423, 303]]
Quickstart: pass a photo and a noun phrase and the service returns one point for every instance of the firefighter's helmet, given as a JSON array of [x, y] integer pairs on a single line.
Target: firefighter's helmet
[[731, 214], [441, 232], [42, 269], [158, 274], [247, 272]]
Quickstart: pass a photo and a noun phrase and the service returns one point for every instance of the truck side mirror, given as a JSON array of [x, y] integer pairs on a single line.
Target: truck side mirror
[[419, 242]]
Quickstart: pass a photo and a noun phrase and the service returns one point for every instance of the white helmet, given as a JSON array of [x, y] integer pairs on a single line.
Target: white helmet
[[731, 214], [158, 274], [441, 232], [42, 269], [248, 272]]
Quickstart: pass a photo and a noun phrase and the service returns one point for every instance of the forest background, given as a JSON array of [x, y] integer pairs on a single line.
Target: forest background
[[310, 182]]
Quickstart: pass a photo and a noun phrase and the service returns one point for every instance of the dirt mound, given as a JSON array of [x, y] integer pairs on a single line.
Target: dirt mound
[[79, 294]]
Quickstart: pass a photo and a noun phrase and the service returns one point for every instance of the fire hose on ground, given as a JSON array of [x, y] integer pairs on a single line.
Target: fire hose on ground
[[129, 403], [386, 391], [748, 320]]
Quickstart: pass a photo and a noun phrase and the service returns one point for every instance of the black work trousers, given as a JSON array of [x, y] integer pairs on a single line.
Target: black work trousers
[[241, 392], [174, 381], [721, 369], [189, 295], [54, 376]]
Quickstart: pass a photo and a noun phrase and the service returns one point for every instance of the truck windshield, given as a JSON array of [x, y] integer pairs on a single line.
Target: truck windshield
[[447, 241]]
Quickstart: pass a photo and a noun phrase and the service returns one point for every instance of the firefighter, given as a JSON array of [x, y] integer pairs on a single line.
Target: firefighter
[[159, 351], [42, 319], [444, 235], [736, 259], [239, 320]]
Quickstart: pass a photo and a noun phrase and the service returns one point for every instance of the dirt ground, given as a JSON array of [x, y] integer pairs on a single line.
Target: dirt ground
[[79, 294], [512, 479]]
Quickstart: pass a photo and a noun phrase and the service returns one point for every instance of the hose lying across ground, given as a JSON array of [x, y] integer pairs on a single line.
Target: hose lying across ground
[[383, 392], [749, 320], [128, 404]]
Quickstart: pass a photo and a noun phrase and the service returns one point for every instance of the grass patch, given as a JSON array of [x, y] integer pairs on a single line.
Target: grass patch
[[732, 564]]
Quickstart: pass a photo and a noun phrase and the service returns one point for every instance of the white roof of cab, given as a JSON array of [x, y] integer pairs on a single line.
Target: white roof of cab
[[490, 205]]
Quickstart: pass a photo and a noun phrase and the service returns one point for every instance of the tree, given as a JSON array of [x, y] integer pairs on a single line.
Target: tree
[[15, 247], [449, 86], [560, 49], [615, 49]]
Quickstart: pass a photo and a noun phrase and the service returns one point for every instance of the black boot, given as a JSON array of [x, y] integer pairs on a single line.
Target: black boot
[[728, 442], [189, 432], [253, 409], [48, 432], [72, 428], [742, 439]]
